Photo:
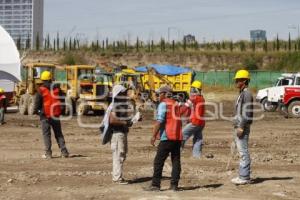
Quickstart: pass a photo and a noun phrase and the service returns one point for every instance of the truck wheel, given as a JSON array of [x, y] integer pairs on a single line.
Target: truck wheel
[[23, 104], [31, 104], [81, 107], [99, 112], [268, 106], [69, 107], [294, 109]]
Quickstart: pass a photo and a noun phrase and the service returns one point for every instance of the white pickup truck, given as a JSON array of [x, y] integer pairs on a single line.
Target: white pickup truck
[[269, 97]]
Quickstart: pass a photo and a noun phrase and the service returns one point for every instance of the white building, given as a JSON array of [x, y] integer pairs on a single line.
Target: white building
[[23, 20]]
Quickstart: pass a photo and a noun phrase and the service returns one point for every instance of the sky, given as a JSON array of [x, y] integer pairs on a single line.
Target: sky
[[208, 20]]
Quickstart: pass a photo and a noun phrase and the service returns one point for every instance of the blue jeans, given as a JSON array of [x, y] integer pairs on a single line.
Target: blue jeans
[[196, 131], [1, 115], [242, 148]]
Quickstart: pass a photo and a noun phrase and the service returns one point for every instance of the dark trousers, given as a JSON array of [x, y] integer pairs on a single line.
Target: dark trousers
[[163, 151], [56, 126]]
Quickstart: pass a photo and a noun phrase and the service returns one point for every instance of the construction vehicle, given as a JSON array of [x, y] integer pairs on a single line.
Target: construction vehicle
[[180, 83], [85, 91], [145, 80], [25, 91], [269, 97], [290, 102]]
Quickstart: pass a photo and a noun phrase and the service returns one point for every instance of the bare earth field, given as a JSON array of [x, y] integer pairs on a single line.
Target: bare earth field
[[274, 147]]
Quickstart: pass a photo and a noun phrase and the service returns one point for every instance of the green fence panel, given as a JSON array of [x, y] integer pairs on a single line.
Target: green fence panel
[[259, 79]]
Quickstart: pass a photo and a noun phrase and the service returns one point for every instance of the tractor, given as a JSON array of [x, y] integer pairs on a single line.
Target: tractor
[[85, 91], [26, 89]]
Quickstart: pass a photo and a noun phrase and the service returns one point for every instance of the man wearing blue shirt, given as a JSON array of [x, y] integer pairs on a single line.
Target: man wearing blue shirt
[[168, 127]]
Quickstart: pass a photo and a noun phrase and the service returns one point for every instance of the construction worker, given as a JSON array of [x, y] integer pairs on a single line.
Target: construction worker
[[196, 119], [242, 122], [168, 127], [48, 107], [117, 120], [3, 104]]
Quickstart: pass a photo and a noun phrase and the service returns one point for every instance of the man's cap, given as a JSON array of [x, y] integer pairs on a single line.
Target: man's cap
[[164, 89]]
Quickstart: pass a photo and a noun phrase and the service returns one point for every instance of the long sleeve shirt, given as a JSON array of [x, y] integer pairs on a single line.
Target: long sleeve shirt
[[243, 109]]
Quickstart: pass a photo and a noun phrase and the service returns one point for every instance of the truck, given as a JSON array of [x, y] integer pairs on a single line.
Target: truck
[[290, 102], [25, 91], [269, 97], [85, 91], [149, 78]]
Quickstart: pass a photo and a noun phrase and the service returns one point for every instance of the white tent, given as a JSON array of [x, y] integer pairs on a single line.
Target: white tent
[[10, 65]]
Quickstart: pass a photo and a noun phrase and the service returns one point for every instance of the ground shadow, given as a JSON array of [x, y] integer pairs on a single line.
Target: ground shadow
[[78, 156], [71, 156], [261, 180], [145, 179], [214, 186]]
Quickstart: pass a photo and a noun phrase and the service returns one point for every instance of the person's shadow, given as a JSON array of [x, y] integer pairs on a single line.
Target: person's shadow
[[186, 188], [261, 180]]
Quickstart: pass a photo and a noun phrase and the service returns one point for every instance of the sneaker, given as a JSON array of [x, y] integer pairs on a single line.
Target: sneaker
[[152, 188], [47, 156], [121, 182], [239, 181]]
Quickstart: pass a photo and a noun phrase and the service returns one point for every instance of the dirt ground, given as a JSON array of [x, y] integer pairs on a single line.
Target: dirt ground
[[274, 147]]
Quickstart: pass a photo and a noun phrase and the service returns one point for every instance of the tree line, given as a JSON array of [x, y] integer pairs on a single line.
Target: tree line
[[107, 45]]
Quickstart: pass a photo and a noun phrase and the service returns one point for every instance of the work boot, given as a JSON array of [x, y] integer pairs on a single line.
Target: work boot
[[152, 188], [239, 181], [65, 153]]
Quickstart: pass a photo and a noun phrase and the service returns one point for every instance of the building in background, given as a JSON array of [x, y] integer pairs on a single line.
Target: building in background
[[23, 20], [258, 35], [189, 39]]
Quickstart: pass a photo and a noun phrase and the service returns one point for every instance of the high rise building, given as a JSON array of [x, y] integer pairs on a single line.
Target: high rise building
[[23, 20]]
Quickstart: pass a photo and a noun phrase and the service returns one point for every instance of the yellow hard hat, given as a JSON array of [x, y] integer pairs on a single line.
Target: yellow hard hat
[[197, 84], [46, 76], [242, 74], [1, 90]]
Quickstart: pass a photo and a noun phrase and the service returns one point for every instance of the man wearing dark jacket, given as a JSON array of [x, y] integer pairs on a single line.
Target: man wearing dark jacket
[[48, 107]]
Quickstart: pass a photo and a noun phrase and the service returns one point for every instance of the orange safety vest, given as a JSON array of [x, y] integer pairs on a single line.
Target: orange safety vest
[[173, 121], [198, 110], [51, 103]]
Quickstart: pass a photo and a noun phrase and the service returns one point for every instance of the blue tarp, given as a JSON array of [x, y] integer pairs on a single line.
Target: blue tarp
[[165, 69]]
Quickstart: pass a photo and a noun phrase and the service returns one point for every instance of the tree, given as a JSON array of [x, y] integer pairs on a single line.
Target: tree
[[27, 46], [19, 43], [277, 43], [54, 44], [137, 44], [48, 41], [70, 44], [125, 45], [65, 44], [57, 41], [184, 44], [74, 44], [231, 46], [37, 42], [242, 46], [265, 45], [253, 45], [290, 44]]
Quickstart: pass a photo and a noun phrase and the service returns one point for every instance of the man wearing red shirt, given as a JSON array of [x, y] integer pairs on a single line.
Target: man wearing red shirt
[[196, 119]]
